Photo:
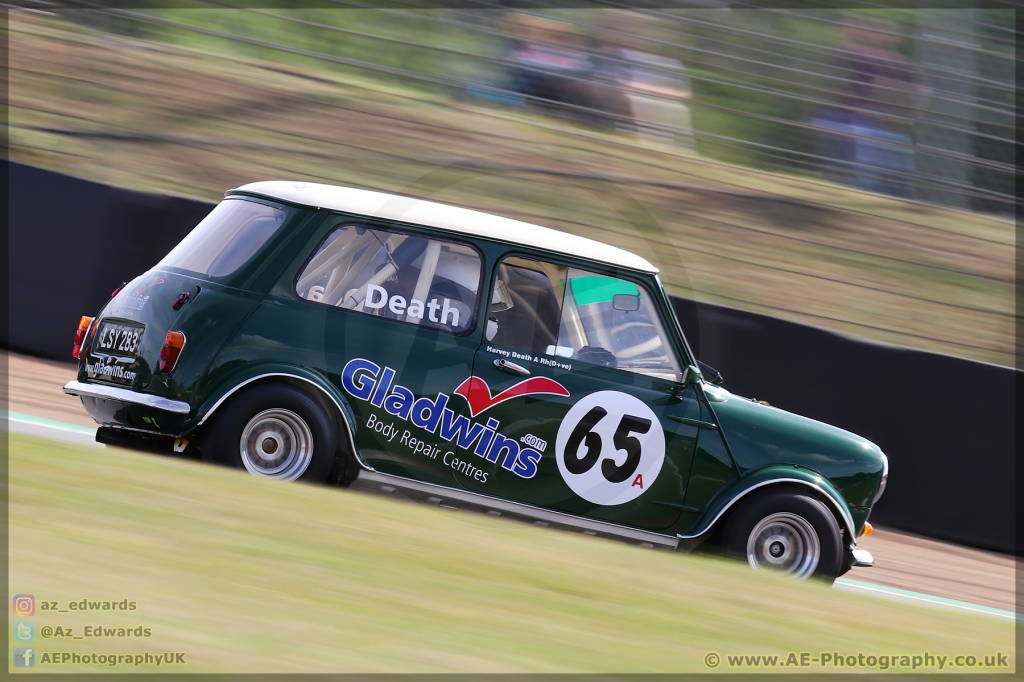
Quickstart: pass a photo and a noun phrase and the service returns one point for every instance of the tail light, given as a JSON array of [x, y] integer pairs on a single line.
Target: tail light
[[81, 335], [173, 343]]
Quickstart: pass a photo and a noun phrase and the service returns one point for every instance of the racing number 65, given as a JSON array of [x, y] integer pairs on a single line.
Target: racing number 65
[[599, 427], [584, 434]]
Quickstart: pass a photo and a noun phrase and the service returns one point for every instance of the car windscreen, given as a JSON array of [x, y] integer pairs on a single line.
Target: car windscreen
[[226, 239]]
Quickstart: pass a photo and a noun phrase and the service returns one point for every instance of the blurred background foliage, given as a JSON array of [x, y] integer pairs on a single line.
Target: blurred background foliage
[[848, 167], [754, 73]]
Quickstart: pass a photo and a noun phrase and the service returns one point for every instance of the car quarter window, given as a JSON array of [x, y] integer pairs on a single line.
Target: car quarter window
[[394, 275], [553, 310]]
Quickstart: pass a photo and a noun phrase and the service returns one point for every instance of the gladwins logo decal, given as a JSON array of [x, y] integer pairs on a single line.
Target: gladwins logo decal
[[368, 381], [135, 300]]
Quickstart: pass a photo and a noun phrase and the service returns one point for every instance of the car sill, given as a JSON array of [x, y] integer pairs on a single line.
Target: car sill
[[462, 499], [125, 395]]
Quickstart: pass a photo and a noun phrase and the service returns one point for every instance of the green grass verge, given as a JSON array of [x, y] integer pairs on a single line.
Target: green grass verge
[[247, 575]]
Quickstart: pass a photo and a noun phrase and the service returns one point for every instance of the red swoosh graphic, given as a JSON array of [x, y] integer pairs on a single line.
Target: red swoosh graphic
[[478, 394], [146, 286]]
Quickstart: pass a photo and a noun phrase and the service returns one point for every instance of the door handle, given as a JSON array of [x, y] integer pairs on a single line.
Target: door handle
[[511, 367]]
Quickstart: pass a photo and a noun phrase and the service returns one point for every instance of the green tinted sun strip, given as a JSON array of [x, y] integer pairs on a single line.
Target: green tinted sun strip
[[597, 289]]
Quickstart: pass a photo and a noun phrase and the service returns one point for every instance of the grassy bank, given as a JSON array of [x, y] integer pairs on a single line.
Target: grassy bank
[[250, 576], [190, 120]]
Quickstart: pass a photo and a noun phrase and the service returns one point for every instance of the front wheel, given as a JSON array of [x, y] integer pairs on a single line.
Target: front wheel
[[786, 531], [273, 431]]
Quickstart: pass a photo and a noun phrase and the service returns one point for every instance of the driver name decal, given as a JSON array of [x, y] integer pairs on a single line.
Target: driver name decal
[[610, 448], [369, 382], [377, 298]]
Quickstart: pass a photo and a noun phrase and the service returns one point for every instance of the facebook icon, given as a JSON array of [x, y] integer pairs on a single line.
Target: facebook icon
[[24, 657]]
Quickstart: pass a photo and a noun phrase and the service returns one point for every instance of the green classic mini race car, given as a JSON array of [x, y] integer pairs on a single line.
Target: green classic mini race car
[[317, 333]]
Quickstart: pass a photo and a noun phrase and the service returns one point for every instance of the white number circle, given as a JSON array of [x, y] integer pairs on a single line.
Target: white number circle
[[610, 448]]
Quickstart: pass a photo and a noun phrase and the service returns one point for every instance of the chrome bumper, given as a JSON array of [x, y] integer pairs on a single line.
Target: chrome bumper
[[862, 559], [125, 395]]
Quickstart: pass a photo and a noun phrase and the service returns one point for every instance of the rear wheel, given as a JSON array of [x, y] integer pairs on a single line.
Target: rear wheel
[[273, 431], [787, 531]]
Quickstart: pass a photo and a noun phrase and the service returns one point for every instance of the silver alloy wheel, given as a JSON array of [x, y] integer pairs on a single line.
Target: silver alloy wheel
[[784, 542], [276, 444]]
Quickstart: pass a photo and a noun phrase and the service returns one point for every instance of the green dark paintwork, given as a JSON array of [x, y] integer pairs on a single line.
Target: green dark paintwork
[[251, 323]]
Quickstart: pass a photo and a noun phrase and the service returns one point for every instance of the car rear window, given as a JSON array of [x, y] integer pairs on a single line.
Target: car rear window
[[226, 239]]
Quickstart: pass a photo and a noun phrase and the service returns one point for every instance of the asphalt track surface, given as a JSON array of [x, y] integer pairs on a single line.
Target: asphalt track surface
[[907, 567]]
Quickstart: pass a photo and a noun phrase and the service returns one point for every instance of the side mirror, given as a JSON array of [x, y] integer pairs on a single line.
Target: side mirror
[[691, 376], [626, 302], [713, 376]]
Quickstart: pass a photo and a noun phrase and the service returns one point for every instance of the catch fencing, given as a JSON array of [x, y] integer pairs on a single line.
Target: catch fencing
[[913, 103]]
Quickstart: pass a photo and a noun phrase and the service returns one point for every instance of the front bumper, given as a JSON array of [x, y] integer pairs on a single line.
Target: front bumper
[[862, 559], [125, 395]]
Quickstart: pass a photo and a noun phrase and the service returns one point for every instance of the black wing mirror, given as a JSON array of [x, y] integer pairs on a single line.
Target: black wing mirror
[[711, 375]]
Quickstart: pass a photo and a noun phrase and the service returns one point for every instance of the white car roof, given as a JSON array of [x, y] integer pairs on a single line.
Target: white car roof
[[462, 220]]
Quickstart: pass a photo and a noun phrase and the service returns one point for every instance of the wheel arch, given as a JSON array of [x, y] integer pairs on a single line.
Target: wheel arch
[[318, 387], [765, 479]]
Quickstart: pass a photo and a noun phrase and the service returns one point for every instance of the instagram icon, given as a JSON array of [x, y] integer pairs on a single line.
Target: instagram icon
[[24, 605]]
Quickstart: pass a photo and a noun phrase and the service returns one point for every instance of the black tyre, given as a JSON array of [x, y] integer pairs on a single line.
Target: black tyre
[[788, 531], [273, 431]]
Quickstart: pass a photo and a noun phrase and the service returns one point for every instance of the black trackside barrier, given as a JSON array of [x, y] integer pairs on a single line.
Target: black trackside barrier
[[72, 242], [946, 423]]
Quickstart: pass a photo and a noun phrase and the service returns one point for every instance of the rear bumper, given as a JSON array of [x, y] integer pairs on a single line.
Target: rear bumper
[[124, 395], [122, 408]]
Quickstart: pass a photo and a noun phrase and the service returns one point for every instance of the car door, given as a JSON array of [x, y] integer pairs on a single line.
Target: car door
[[398, 311], [577, 386]]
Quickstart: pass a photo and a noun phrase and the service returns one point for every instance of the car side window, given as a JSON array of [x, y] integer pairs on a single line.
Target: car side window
[[526, 304], [553, 310], [395, 275]]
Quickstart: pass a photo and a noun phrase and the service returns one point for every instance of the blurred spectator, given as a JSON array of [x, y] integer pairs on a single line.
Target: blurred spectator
[[655, 86], [872, 141], [616, 83], [548, 66]]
